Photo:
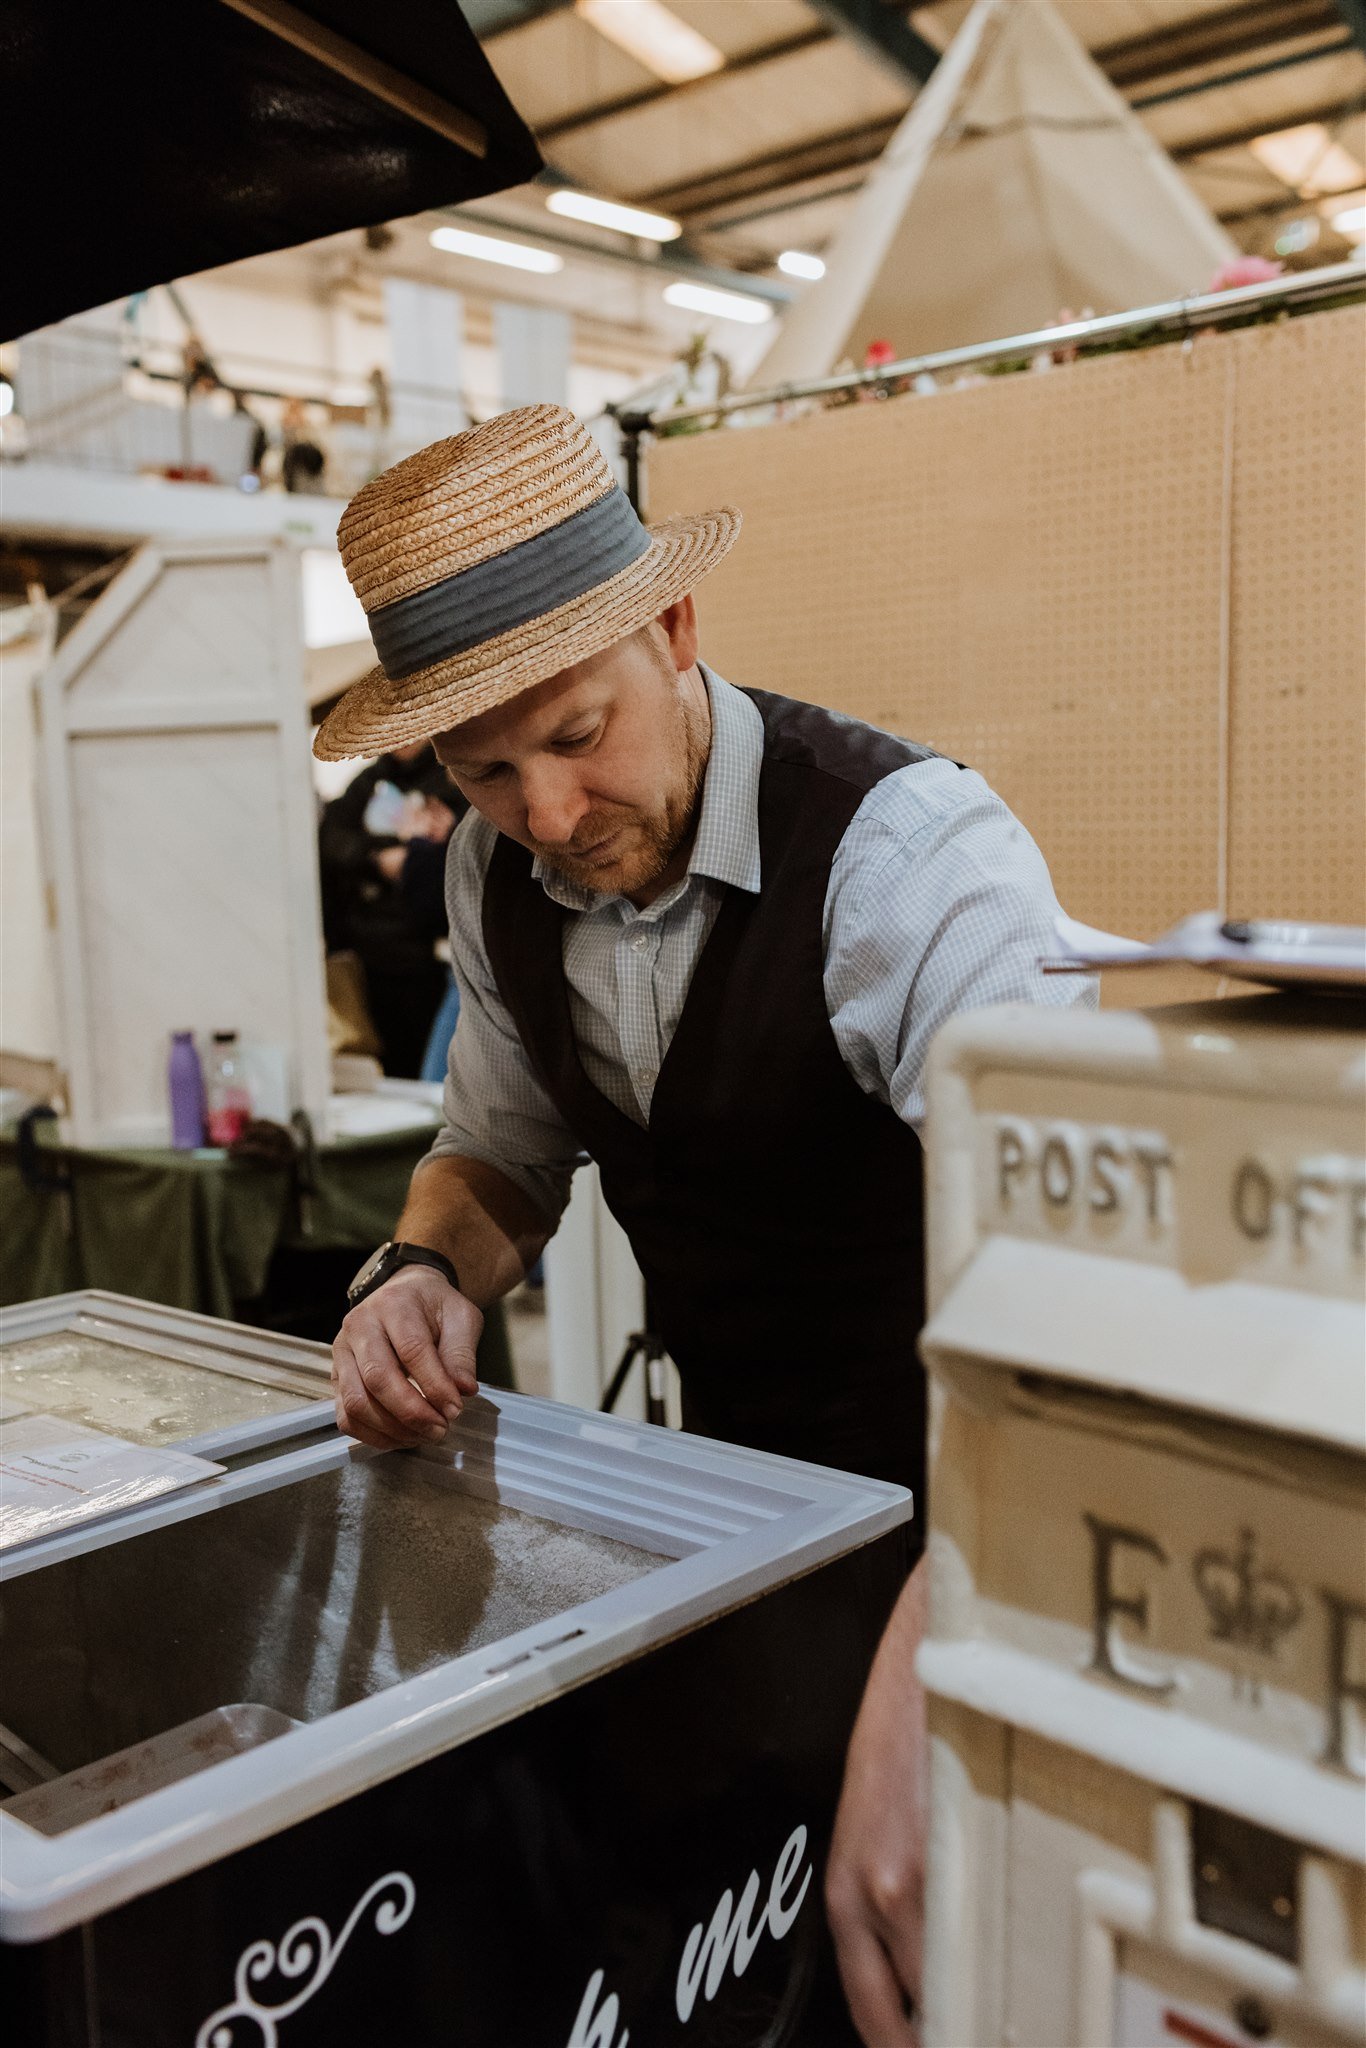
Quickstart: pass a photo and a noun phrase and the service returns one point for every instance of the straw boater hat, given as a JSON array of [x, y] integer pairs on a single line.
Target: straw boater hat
[[493, 560]]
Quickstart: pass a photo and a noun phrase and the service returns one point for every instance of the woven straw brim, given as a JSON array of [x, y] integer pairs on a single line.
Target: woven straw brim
[[377, 713]]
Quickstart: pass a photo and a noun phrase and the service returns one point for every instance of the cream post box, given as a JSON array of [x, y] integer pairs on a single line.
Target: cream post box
[[1147, 1652]]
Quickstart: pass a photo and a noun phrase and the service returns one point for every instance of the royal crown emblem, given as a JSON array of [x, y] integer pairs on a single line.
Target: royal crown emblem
[[1245, 1606]]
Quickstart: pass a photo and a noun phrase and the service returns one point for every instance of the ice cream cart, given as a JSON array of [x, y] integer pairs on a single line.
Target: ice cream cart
[[531, 1737]]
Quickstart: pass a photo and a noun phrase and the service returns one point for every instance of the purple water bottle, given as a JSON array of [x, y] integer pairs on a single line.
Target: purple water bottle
[[186, 1078]]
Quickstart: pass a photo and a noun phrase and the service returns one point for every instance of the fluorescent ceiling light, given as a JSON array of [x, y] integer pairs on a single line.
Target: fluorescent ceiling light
[[796, 263], [1350, 221], [1307, 159], [654, 37], [701, 298], [607, 213], [488, 249]]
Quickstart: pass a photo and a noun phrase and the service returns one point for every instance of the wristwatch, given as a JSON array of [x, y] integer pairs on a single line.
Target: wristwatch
[[383, 1264]]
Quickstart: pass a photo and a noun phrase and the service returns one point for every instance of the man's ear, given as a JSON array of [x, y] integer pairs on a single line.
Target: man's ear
[[679, 623]]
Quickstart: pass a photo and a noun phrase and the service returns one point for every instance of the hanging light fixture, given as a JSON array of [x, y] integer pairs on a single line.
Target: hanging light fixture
[[652, 35], [610, 213], [488, 249], [703, 298], [797, 263]]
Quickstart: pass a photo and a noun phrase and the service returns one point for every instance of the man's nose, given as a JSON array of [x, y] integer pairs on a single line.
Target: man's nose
[[555, 804]]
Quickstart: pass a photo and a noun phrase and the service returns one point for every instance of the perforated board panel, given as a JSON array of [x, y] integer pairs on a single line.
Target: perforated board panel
[[1031, 573], [1297, 843]]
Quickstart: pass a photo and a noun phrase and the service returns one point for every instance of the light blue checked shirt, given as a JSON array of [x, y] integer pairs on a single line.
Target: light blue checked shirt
[[938, 901]]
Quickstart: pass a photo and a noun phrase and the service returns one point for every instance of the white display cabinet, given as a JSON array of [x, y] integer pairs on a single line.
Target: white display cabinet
[[1147, 1651], [179, 830]]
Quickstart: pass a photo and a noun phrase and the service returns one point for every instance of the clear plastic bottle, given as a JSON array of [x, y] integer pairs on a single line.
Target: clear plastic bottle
[[229, 1099]]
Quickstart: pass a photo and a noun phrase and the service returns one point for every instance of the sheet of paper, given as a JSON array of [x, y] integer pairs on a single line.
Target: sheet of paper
[[1280, 955], [54, 1474]]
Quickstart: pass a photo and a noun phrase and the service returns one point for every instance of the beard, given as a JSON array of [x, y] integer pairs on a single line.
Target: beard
[[642, 841]]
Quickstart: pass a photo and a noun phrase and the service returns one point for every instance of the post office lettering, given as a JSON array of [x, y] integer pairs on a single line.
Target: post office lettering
[[1071, 1169], [1313, 1206]]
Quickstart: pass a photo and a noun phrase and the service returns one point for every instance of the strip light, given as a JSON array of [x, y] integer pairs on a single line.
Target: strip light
[[654, 37], [702, 298], [488, 249], [608, 213], [797, 263]]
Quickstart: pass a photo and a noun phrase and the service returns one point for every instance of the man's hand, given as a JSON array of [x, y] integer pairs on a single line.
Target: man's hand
[[875, 1878], [403, 1360]]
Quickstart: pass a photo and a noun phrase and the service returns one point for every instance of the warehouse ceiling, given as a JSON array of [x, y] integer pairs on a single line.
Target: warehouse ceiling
[[1262, 104]]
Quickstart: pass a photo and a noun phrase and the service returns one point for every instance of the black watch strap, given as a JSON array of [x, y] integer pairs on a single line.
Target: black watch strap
[[390, 1259]]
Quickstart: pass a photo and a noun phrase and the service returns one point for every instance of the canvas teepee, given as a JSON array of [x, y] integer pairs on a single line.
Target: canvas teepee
[[1018, 184]]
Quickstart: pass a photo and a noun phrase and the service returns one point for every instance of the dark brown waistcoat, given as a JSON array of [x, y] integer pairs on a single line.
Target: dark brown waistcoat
[[774, 1208]]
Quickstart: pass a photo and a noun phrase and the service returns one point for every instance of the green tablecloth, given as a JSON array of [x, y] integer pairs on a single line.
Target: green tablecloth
[[197, 1229]]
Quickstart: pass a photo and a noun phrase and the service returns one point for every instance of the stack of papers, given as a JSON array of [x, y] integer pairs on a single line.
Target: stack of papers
[[54, 1474], [1329, 956]]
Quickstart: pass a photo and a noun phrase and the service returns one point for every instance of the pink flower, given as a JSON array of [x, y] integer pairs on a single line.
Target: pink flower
[[1244, 270]]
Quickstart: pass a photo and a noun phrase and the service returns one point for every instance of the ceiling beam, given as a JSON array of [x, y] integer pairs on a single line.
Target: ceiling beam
[[648, 95], [1289, 202], [1222, 78], [881, 27], [849, 149], [775, 168], [1212, 39], [1238, 138]]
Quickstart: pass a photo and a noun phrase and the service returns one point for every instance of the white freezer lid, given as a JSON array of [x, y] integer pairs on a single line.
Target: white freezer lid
[[728, 1524], [1262, 1355]]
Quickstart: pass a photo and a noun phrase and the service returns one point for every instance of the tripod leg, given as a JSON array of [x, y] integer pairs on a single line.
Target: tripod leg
[[635, 1345]]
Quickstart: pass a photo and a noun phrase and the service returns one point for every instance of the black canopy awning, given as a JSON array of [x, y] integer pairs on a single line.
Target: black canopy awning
[[149, 139]]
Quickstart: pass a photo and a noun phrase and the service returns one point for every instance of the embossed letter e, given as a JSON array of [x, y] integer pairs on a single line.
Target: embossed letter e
[[1107, 1654], [734, 1930]]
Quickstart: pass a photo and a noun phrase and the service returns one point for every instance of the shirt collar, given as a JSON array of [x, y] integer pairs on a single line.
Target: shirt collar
[[726, 848]]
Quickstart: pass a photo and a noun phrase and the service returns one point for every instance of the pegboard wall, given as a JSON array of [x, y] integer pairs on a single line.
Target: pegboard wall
[[1129, 591]]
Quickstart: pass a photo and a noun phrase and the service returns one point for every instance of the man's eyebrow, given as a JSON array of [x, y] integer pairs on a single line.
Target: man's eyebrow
[[456, 763]]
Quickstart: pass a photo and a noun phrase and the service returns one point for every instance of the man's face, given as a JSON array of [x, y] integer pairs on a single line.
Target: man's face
[[597, 770]]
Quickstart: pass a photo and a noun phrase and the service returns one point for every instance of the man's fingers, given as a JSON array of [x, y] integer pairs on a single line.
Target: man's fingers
[[903, 1940], [366, 1432], [879, 2003], [415, 1340], [375, 1390], [357, 1414], [362, 1420], [404, 1360]]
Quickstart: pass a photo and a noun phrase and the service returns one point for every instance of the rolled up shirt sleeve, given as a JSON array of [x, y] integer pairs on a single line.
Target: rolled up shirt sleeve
[[939, 901], [494, 1108]]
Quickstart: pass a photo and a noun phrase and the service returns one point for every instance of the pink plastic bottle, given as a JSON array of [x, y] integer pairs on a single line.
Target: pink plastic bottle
[[228, 1095]]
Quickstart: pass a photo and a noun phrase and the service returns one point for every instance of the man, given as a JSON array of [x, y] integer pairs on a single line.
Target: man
[[705, 937], [381, 855]]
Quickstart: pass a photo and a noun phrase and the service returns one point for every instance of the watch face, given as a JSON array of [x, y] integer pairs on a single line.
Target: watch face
[[370, 1270]]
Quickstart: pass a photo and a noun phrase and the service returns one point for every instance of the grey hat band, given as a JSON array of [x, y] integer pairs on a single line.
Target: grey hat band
[[509, 590]]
